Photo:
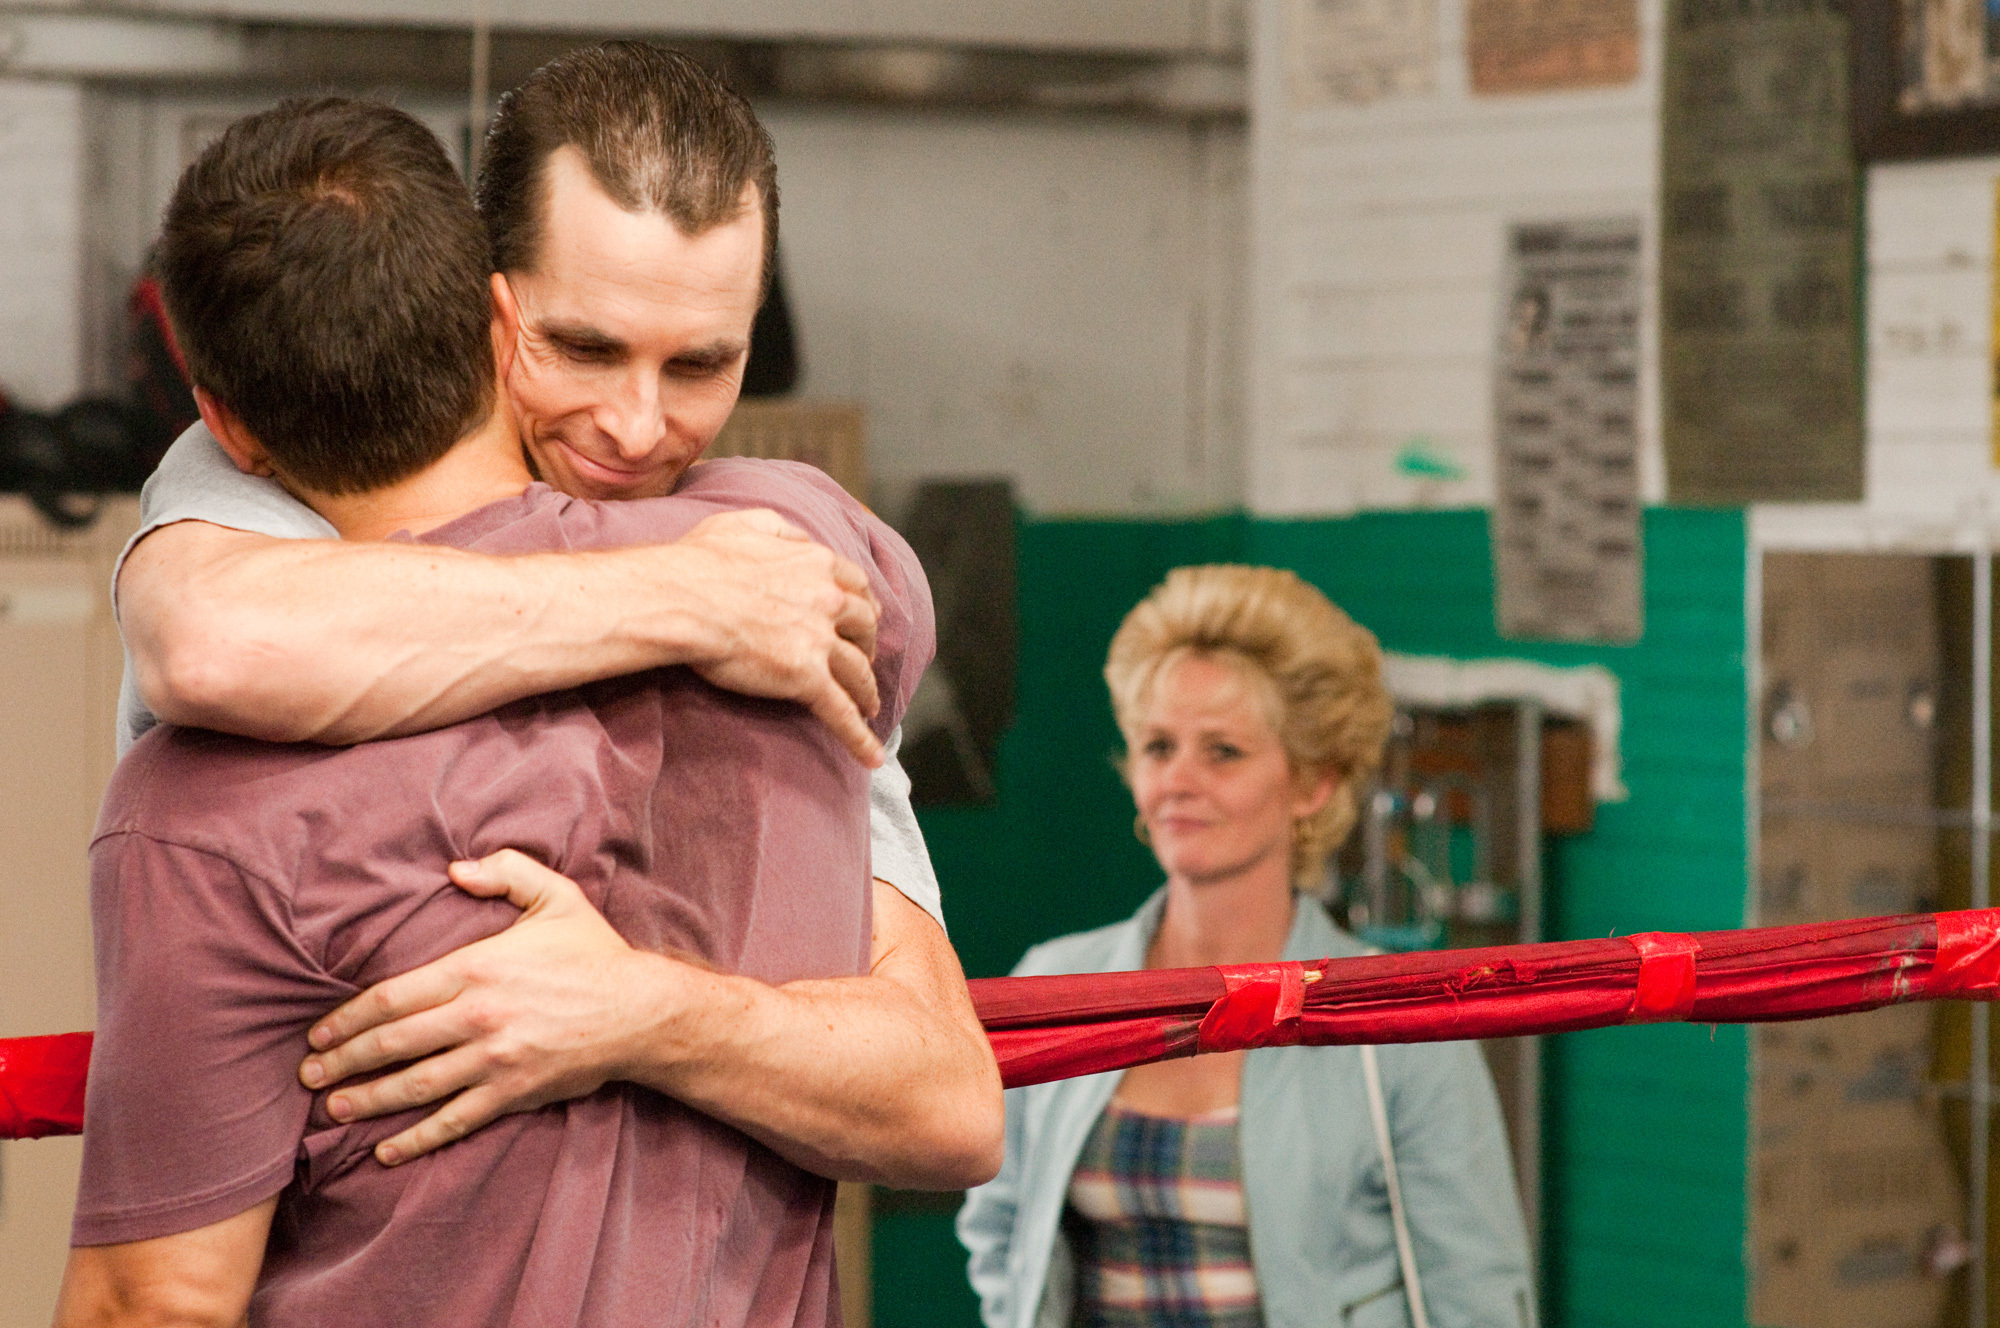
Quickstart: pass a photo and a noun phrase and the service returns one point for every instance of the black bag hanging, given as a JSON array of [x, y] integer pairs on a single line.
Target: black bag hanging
[[105, 447], [773, 369], [35, 460]]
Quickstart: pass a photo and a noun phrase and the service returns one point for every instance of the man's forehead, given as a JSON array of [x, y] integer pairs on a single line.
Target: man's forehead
[[583, 225]]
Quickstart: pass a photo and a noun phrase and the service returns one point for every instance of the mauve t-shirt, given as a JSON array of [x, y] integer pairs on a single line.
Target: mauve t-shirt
[[240, 890]]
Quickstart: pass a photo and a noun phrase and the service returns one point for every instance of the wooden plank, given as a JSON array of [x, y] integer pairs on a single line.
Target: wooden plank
[[831, 435]]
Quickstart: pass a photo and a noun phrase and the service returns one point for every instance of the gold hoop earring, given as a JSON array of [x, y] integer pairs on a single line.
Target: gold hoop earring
[[1140, 831]]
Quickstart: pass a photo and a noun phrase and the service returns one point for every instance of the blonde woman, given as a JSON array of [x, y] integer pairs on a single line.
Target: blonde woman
[[1253, 1188]]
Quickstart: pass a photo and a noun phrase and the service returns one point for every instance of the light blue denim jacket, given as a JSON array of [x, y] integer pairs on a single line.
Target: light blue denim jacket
[[1320, 1233]]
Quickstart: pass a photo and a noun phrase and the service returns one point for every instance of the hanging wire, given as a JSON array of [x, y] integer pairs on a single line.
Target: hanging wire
[[482, 85]]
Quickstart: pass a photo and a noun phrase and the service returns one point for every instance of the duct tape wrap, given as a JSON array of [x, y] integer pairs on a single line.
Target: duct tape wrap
[[1260, 1007], [1968, 956], [1665, 993]]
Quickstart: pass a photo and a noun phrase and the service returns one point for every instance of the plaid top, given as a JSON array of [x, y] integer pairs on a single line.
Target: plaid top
[[1156, 1218]]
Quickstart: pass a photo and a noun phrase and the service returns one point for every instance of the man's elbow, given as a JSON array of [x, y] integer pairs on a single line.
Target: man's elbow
[[974, 1141], [207, 672], [982, 1162], [184, 680]]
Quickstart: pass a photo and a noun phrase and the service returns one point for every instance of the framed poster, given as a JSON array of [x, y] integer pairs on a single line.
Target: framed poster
[[1926, 78]]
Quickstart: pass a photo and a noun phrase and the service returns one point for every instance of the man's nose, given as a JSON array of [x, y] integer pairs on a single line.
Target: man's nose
[[635, 418]]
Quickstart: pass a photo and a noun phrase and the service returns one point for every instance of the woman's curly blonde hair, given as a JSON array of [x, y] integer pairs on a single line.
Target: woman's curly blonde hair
[[1321, 671]]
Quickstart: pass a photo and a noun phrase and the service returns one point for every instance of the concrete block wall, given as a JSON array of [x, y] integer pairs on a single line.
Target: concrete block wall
[[1055, 299]]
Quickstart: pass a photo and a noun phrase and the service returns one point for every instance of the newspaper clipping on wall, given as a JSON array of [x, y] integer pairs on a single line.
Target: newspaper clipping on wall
[[1759, 256], [1514, 46], [1566, 540], [1357, 51]]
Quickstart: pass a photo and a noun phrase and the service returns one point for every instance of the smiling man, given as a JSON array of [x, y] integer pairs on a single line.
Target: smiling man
[[630, 201], [628, 359], [327, 272]]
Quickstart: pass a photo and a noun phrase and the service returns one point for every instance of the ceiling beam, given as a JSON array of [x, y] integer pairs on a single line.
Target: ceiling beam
[[128, 48]]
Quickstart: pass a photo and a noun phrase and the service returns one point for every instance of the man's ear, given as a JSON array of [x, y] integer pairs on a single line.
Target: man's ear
[[241, 445], [506, 326]]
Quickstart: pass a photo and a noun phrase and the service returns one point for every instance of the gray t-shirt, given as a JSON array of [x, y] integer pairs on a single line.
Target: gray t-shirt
[[197, 481]]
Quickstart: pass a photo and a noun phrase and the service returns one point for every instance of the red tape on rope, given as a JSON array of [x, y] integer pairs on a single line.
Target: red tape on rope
[[1665, 993], [1261, 1007], [1968, 955]]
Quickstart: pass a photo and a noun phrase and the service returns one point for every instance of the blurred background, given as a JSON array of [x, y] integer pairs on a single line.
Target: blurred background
[[1624, 365]]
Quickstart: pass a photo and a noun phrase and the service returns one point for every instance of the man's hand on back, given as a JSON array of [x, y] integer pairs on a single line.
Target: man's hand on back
[[788, 619], [530, 1016], [884, 1077]]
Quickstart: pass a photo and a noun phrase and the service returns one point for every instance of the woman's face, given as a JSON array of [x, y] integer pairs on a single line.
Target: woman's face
[[1211, 777]]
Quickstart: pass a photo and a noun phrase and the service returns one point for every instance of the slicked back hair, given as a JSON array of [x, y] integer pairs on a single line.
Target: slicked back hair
[[326, 273], [661, 134]]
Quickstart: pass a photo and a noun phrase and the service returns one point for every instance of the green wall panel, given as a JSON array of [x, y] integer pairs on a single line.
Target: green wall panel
[[1057, 852], [1645, 1126], [1629, 1107], [918, 1273]]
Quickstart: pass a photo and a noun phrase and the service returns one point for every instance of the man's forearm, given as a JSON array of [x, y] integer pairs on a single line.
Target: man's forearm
[[853, 1078], [326, 641], [329, 641], [884, 1077]]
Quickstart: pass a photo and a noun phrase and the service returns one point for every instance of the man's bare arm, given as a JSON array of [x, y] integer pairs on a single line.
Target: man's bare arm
[[885, 1077], [337, 642], [197, 1279]]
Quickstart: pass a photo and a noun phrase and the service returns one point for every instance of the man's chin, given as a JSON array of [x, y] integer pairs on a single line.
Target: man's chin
[[577, 487], [583, 479]]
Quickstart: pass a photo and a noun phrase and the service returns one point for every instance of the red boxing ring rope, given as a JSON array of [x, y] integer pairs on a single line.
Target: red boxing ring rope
[[1045, 1028]]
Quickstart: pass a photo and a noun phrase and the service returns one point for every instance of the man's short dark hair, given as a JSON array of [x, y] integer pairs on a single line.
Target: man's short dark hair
[[660, 133], [326, 274]]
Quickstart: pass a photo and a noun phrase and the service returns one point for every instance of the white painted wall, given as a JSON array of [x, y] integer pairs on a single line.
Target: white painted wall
[[1931, 481], [1055, 299], [41, 227], [1379, 233]]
